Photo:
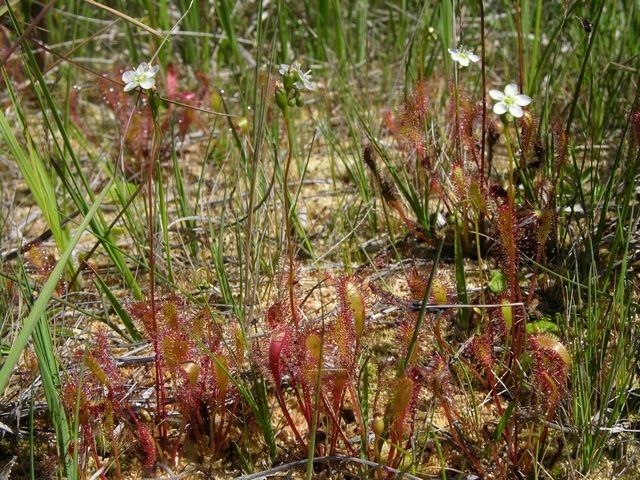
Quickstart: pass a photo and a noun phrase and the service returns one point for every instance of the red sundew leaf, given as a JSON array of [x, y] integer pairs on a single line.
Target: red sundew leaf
[[402, 396], [203, 81], [313, 342], [73, 111], [148, 445], [547, 344], [508, 231], [338, 386], [355, 302], [550, 372], [222, 376], [482, 350], [12, 63], [275, 316], [635, 123], [389, 121], [408, 125], [172, 81], [420, 101], [276, 345], [435, 188], [185, 116]]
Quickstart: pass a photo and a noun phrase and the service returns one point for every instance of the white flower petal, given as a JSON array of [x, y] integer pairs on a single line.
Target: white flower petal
[[523, 100], [153, 70], [306, 83], [516, 111], [148, 83], [452, 51], [496, 95], [464, 62], [128, 76], [143, 67], [473, 57], [130, 86], [511, 90], [500, 108]]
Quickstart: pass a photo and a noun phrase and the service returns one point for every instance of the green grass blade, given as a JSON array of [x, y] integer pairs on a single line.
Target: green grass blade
[[40, 306]]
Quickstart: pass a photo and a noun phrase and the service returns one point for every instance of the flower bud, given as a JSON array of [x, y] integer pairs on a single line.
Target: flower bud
[[289, 81], [281, 99]]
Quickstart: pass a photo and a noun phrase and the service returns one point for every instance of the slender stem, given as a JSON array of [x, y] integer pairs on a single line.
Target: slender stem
[[484, 95], [520, 45], [476, 220], [331, 414], [315, 412], [518, 329], [355, 401], [287, 416], [159, 384], [511, 187], [421, 315], [457, 112], [287, 213]]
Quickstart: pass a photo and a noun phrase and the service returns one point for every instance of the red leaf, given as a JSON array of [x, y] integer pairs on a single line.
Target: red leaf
[[172, 81], [278, 340]]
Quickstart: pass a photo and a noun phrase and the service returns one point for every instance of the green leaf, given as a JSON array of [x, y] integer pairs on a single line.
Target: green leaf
[[498, 282], [543, 326], [502, 424]]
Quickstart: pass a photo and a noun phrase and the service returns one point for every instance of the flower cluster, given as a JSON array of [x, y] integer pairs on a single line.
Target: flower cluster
[[510, 101], [293, 73], [293, 81]]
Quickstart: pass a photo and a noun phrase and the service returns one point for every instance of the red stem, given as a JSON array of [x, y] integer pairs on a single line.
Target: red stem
[[287, 417], [484, 95], [159, 384], [333, 419]]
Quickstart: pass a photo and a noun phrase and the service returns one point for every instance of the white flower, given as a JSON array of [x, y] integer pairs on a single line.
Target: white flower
[[144, 76], [510, 101], [463, 56], [302, 79]]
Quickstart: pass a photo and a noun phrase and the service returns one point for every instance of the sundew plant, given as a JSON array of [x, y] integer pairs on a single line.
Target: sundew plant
[[331, 239]]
